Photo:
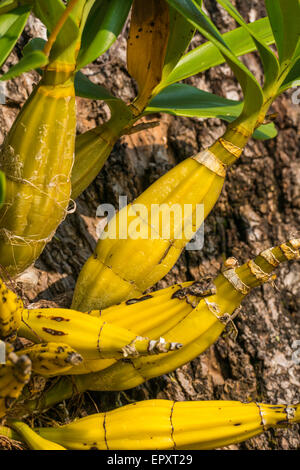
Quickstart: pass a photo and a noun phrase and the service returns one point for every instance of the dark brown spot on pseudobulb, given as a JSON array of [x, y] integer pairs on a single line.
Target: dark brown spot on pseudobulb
[[50, 331]]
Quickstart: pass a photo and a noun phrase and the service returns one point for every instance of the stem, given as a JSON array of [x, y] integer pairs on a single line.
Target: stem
[[140, 127], [58, 27], [61, 390], [93, 148], [229, 147]]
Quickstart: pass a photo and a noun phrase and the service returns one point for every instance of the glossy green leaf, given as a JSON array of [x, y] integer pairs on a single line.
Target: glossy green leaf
[[65, 47], [292, 74], [181, 33], [87, 89], [8, 5], [268, 58], [185, 100], [104, 24], [253, 95], [285, 22], [207, 55], [83, 85], [265, 132], [11, 27], [49, 12], [30, 61], [2, 187], [35, 44], [292, 79], [83, 16], [296, 55]]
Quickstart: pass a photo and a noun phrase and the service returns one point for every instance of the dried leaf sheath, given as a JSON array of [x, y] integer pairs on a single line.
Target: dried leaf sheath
[[155, 26], [146, 47], [37, 158]]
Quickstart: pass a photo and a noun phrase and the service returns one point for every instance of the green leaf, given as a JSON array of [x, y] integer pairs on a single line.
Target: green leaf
[[253, 95], [104, 24], [292, 78], [265, 132], [2, 187], [285, 22], [11, 27], [268, 58], [49, 12], [87, 89], [207, 55], [33, 60], [8, 5], [65, 47], [5, 3], [83, 86], [35, 44], [185, 100], [181, 33]]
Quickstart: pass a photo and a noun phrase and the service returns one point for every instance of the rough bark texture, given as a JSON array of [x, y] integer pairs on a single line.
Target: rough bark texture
[[259, 207]]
